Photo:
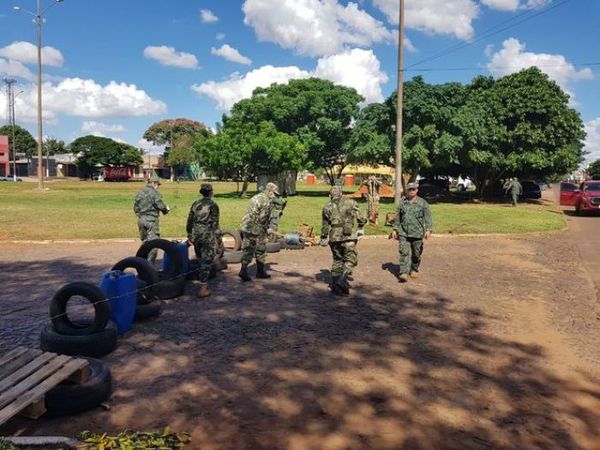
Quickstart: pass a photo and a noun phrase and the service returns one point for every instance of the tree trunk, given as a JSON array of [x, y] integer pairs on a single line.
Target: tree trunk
[[244, 187], [330, 175]]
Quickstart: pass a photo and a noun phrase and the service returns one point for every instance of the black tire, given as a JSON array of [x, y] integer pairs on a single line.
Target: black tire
[[220, 264], [232, 256], [237, 238], [171, 288], [95, 345], [273, 247], [145, 272], [70, 398], [149, 311], [58, 309], [167, 247], [285, 246]]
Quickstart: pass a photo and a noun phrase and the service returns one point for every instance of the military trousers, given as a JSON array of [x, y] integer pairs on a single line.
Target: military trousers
[[149, 230], [410, 254], [344, 257], [254, 246], [515, 198], [205, 254]]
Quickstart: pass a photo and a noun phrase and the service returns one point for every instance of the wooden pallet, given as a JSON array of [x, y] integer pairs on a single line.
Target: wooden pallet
[[27, 374]]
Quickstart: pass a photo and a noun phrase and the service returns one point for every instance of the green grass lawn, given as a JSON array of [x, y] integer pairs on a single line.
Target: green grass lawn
[[85, 210]]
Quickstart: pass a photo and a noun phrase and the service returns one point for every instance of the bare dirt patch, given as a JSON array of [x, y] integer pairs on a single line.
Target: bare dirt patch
[[495, 346]]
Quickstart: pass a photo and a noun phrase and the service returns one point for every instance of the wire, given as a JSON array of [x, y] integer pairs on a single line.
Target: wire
[[490, 32], [541, 66]]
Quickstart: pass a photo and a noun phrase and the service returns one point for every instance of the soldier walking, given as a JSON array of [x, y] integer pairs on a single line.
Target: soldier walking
[[203, 232], [413, 224], [147, 206], [514, 187], [256, 225], [337, 230]]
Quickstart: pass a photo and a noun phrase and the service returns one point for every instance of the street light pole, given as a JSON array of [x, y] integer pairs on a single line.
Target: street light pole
[[38, 26], [400, 94]]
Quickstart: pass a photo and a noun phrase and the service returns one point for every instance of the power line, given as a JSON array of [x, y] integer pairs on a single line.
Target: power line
[[526, 16], [467, 69]]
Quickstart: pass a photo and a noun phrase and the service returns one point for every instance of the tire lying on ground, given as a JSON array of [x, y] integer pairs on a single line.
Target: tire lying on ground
[[232, 256], [149, 311], [273, 247], [172, 282], [58, 309], [95, 345], [237, 238], [285, 246], [145, 272], [71, 398]]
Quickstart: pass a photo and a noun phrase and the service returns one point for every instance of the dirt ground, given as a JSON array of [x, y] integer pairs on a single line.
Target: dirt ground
[[495, 346]]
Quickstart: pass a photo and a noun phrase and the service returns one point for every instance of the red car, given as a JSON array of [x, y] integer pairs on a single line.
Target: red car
[[585, 197]]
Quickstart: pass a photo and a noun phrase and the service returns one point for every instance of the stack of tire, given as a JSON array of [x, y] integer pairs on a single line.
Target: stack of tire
[[170, 283], [233, 255]]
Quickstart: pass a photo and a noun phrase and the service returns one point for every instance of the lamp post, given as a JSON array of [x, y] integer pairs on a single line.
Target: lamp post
[[39, 20], [399, 97], [13, 136]]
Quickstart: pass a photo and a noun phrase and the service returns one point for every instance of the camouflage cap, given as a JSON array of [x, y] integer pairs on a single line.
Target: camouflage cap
[[272, 187], [154, 179], [335, 191], [206, 187], [412, 186]]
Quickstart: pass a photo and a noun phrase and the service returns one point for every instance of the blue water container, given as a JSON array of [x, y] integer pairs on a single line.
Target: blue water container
[[120, 290], [182, 247]]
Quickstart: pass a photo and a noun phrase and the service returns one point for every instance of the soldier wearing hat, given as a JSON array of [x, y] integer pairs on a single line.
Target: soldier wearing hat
[[203, 232], [413, 224], [339, 217], [147, 207], [257, 224]]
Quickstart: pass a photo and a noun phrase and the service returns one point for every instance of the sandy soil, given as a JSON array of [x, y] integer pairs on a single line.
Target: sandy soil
[[495, 346]]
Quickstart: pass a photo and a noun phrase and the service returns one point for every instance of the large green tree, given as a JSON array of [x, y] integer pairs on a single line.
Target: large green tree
[[95, 152], [54, 146], [318, 112], [24, 141], [594, 170], [241, 150]]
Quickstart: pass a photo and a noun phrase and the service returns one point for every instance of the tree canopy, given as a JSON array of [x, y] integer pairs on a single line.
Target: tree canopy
[[53, 146], [96, 151], [594, 170], [24, 141]]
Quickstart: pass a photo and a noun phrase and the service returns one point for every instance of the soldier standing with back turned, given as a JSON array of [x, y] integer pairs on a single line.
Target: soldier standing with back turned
[[147, 207], [337, 230], [256, 226], [413, 224], [203, 232]]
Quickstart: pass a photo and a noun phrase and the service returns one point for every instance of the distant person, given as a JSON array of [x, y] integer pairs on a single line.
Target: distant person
[[256, 226], [373, 185], [413, 224], [515, 189], [203, 233], [147, 206], [339, 217]]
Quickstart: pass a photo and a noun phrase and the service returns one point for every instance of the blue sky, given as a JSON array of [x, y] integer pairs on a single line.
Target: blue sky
[[113, 68]]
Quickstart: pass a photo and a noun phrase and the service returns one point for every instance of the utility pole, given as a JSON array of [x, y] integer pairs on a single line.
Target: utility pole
[[399, 185], [38, 27], [10, 116]]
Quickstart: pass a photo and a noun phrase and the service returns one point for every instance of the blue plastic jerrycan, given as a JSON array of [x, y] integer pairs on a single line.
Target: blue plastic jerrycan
[[120, 290], [182, 248]]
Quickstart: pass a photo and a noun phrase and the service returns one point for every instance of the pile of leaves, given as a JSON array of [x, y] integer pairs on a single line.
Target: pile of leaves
[[127, 440]]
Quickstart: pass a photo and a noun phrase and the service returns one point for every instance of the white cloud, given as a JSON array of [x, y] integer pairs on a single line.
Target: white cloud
[[26, 53], [99, 128], [355, 68], [207, 16], [592, 142], [149, 147], [314, 27], [230, 54], [11, 68], [167, 56], [513, 5], [434, 16], [513, 57], [86, 98], [220, 36]]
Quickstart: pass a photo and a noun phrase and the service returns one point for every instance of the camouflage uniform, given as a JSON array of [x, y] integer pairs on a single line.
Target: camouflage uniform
[[147, 206], [339, 215], [515, 189], [412, 221], [203, 231], [279, 205], [255, 223]]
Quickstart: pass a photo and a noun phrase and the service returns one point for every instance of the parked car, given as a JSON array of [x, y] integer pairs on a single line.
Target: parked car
[[531, 190], [585, 197], [9, 178]]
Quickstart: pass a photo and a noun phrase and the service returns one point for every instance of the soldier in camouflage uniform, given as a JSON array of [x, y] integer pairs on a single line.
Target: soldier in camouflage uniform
[[337, 230], [203, 232], [413, 224], [514, 187], [147, 207], [256, 225]]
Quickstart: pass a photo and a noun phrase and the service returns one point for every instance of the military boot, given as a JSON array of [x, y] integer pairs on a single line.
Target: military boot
[[244, 273], [342, 283], [261, 271], [403, 278], [335, 288], [203, 291]]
